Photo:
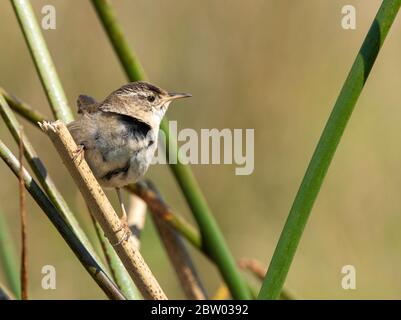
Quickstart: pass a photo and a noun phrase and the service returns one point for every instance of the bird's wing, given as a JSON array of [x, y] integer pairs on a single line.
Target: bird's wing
[[86, 104], [118, 106]]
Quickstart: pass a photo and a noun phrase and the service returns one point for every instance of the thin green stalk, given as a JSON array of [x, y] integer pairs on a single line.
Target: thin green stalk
[[62, 226], [211, 235], [324, 152], [42, 59], [8, 258], [51, 83]]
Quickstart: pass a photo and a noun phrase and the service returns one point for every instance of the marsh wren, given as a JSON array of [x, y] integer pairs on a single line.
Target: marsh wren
[[118, 137]]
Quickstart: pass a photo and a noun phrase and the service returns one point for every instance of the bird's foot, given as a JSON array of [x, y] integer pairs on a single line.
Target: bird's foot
[[79, 153], [127, 232]]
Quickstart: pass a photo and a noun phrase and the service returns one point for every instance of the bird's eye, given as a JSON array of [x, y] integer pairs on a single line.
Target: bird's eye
[[151, 98]]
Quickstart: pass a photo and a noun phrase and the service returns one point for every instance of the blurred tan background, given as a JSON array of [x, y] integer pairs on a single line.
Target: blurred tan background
[[276, 66]]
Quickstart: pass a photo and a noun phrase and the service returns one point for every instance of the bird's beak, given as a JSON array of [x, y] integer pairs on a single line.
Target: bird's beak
[[173, 95]]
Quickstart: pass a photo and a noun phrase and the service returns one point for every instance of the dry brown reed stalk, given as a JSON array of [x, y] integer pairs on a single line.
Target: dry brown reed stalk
[[178, 255], [103, 211], [180, 260]]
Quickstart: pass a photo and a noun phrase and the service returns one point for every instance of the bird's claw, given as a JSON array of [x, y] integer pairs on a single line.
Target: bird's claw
[[79, 152], [127, 232]]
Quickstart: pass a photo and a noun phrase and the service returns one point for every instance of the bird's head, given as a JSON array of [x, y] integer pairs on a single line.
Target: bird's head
[[141, 100]]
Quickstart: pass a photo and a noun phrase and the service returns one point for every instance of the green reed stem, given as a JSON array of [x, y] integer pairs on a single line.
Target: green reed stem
[[324, 152], [62, 226], [211, 235], [52, 85], [8, 258]]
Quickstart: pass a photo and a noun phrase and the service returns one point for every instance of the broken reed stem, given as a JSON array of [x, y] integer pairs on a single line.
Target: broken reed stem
[[80, 251], [24, 222], [136, 217], [103, 211], [179, 257]]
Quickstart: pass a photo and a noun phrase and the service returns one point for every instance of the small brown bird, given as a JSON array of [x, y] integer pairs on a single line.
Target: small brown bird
[[118, 136]]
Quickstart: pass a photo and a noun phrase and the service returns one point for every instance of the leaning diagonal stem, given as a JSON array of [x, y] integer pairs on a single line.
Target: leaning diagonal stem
[[103, 211]]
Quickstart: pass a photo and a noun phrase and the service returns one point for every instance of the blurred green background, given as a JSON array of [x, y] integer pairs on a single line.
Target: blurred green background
[[273, 65]]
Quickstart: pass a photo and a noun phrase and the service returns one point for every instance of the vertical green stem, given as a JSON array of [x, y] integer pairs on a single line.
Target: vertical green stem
[[211, 236], [324, 152]]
